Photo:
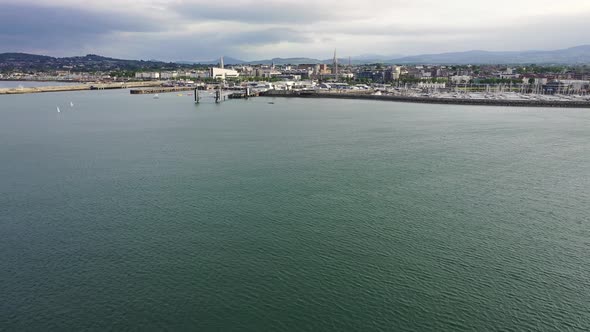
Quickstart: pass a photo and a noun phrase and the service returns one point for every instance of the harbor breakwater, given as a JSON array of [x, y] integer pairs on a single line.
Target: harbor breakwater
[[429, 100], [160, 90], [79, 87]]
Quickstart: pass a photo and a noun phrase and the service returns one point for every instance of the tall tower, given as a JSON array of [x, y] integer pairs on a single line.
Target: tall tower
[[221, 62], [335, 72]]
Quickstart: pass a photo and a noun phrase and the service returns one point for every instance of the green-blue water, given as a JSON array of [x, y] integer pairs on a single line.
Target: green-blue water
[[126, 212]]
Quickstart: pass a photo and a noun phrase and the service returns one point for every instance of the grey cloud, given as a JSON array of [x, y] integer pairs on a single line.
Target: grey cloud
[[60, 29], [266, 36], [263, 13], [249, 28], [22, 20], [207, 46], [541, 33]]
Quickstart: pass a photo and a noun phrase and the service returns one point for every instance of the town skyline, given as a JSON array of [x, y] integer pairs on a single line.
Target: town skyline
[[174, 30]]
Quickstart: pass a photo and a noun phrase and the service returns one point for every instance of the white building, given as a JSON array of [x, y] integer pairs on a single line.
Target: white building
[[266, 72], [394, 73], [307, 84], [425, 75], [460, 79], [575, 84], [221, 73], [168, 75], [200, 74], [148, 75], [428, 85]]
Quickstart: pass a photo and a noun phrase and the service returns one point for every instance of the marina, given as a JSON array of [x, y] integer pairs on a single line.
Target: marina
[[485, 97], [507, 99]]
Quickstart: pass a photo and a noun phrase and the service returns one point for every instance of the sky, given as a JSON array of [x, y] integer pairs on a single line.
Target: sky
[[175, 30]]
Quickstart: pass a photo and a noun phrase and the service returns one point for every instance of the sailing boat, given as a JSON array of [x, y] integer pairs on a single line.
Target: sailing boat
[[71, 104], [58, 110]]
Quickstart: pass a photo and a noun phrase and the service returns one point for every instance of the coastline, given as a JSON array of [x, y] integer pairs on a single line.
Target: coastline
[[428, 100], [78, 87]]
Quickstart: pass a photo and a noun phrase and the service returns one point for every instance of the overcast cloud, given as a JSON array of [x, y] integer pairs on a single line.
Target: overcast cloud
[[247, 29]]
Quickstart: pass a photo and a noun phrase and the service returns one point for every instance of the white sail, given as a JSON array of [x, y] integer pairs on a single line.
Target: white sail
[[71, 104], [58, 110]]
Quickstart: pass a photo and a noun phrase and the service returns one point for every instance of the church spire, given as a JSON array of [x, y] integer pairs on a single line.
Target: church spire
[[335, 70]]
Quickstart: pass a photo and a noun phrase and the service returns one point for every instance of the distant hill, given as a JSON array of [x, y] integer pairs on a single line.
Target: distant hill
[[90, 62], [301, 61], [569, 56], [573, 55], [93, 62], [290, 61], [7, 57], [297, 61], [375, 58], [277, 61], [227, 60], [286, 61]]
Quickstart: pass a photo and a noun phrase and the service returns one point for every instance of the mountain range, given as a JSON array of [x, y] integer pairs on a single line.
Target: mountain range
[[569, 56], [572, 55], [24, 62], [292, 61]]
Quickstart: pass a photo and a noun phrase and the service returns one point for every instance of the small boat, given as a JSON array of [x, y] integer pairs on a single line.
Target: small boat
[[156, 96], [271, 102]]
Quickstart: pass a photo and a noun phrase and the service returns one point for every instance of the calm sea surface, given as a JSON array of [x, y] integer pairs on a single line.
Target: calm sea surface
[[127, 212]]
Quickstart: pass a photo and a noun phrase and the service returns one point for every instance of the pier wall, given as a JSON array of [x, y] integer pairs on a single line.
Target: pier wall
[[428, 100], [160, 90], [80, 87]]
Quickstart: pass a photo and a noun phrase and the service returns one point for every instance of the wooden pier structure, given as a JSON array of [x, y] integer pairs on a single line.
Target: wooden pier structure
[[247, 93]]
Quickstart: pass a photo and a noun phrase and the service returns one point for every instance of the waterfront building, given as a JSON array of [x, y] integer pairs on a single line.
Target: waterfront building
[[392, 74], [168, 75], [289, 77], [266, 72], [430, 85], [566, 86], [457, 79], [200, 74], [221, 73], [148, 75], [371, 75], [323, 69]]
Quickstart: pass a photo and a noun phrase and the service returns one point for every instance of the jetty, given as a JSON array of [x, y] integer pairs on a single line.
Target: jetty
[[245, 94], [428, 100], [144, 91], [78, 87]]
